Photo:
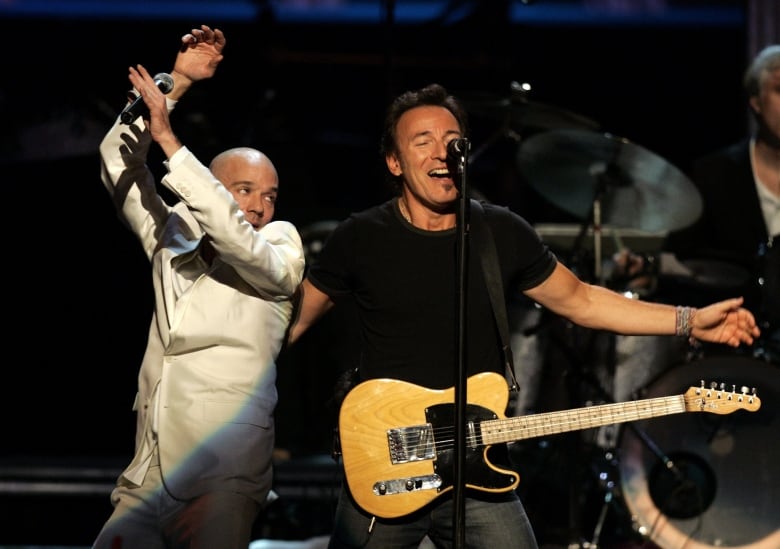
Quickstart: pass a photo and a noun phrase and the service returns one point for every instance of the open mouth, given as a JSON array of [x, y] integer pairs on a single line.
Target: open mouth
[[439, 172]]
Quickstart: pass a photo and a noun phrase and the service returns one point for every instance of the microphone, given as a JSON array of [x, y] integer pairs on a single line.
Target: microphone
[[164, 82], [457, 148]]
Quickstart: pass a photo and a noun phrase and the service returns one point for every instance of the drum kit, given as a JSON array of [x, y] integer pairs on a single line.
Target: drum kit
[[686, 482]]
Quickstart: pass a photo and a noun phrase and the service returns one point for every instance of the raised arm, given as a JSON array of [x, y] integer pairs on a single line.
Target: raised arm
[[197, 59]]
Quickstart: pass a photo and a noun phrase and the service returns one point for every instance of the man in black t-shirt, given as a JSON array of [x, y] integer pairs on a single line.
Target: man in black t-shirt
[[399, 264]]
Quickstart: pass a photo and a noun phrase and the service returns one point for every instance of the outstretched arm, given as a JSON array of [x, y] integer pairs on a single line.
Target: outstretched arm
[[596, 307]]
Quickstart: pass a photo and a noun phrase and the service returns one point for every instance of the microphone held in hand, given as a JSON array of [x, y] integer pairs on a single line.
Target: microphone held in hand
[[164, 82]]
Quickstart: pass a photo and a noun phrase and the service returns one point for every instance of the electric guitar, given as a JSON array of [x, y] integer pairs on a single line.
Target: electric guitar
[[398, 438]]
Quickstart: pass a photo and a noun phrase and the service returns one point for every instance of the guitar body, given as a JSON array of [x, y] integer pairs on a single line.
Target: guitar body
[[375, 407]]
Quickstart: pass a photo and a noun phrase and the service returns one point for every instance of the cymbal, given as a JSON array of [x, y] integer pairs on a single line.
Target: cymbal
[[533, 115], [717, 274], [636, 188], [525, 116]]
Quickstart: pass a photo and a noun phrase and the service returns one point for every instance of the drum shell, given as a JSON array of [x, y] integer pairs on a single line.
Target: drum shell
[[741, 451]]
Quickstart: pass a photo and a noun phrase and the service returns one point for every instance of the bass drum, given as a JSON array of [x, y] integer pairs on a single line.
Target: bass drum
[[707, 480]]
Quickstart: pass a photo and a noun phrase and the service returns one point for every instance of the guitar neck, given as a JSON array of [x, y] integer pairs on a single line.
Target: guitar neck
[[536, 425]]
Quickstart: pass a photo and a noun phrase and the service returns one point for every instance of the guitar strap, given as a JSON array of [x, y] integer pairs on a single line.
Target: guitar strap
[[483, 238]]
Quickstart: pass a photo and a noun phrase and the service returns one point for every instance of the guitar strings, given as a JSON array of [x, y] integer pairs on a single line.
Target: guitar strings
[[486, 432]]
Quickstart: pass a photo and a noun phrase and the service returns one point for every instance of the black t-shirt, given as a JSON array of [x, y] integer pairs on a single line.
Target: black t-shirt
[[404, 282]]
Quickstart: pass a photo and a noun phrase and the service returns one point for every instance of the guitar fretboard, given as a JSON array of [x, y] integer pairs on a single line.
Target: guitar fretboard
[[536, 425]]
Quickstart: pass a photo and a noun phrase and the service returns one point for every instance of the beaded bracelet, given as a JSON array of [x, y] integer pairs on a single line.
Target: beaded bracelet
[[684, 321]]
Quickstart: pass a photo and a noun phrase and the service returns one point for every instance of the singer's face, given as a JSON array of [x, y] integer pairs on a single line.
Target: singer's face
[[254, 186], [422, 135]]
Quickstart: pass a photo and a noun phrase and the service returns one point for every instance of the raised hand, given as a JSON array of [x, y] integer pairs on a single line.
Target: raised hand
[[198, 57], [157, 120]]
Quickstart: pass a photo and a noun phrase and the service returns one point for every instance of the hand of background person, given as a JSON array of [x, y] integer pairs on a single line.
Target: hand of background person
[[634, 272]]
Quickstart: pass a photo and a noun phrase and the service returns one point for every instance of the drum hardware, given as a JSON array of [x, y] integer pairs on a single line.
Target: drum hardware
[[768, 282], [606, 476], [519, 115], [500, 121], [533, 115], [679, 484], [571, 377], [608, 497], [716, 276], [561, 236], [607, 180], [605, 175], [586, 475], [682, 482], [636, 188], [685, 490], [583, 385], [724, 486]]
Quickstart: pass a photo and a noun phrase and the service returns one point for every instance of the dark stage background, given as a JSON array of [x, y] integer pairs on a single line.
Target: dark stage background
[[307, 82]]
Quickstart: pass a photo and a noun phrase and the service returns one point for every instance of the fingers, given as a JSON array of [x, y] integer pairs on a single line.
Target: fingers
[[735, 302], [219, 39], [141, 79], [144, 83], [204, 35], [747, 330]]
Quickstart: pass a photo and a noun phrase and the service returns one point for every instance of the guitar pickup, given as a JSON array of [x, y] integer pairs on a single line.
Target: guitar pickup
[[413, 443], [406, 485]]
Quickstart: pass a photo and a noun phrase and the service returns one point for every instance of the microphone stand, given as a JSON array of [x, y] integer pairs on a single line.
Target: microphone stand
[[464, 206]]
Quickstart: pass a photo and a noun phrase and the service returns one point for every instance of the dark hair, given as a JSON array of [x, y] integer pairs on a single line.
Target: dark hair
[[433, 95]]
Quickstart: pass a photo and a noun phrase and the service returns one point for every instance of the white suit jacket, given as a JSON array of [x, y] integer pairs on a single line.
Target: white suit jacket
[[206, 385]]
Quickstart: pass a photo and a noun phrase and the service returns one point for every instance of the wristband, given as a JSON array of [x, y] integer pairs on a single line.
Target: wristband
[[684, 321]]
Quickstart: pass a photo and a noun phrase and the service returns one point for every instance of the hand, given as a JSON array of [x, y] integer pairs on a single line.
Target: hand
[[725, 322], [628, 264], [157, 120], [634, 272], [199, 55]]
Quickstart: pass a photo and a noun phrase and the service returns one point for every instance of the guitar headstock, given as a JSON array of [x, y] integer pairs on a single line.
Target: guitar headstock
[[718, 400]]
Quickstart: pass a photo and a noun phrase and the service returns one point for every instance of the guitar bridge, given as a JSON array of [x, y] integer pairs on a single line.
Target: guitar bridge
[[406, 485], [413, 443]]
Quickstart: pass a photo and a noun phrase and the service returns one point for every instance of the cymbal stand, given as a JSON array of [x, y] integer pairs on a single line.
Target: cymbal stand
[[597, 273], [609, 497], [594, 220], [607, 175]]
